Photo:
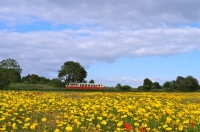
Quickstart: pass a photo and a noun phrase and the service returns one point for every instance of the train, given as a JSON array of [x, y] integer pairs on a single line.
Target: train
[[85, 86]]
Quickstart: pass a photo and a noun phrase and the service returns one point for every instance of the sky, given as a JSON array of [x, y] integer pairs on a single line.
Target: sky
[[116, 41]]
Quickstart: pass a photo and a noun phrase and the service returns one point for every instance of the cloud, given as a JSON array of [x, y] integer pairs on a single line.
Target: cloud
[[129, 14], [48, 50], [105, 31]]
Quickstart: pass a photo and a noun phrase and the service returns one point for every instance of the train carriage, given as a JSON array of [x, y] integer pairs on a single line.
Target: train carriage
[[85, 86]]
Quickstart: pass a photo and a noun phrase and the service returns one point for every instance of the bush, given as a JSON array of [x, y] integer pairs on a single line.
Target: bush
[[125, 88]]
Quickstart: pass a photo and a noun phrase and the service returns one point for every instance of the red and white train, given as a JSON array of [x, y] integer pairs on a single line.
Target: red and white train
[[85, 86]]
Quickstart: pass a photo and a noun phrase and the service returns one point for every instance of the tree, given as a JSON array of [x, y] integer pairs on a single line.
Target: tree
[[44, 80], [147, 84], [156, 85], [34, 79], [91, 81], [118, 85], [191, 83], [25, 79], [187, 84], [167, 85], [10, 64], [125, 88], [4, 77], [14, 69], [57, 83], [72, 72], [140, 88]]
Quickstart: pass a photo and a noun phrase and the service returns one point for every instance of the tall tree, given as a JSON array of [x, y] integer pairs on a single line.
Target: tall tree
[[4, 77], [191, 83], [13, 71], [147, 84], [72, 72], [10, 64]]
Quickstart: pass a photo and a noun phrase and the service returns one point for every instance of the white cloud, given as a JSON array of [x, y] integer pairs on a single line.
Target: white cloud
[[48, 50], [129, 14], [107, 30]]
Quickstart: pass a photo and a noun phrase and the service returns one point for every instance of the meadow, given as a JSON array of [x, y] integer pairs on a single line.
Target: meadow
[[31, 111]]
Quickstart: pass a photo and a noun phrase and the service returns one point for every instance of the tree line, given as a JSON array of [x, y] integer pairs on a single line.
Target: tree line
[[183, 84], [10, 72]]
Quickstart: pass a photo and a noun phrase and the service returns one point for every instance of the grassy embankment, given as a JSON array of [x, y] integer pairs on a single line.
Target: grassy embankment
[[32, 87], [46, 87]]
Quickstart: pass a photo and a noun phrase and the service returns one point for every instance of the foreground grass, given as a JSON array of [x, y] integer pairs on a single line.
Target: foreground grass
[[97, 112]]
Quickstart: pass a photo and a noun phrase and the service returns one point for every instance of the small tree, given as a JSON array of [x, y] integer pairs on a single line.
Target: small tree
[[140, 88], [91, 81], [156, 85], [167, 85], [34, 79], [118, 86], [125, 88], [57, 83], [44, 80], [146, 87]]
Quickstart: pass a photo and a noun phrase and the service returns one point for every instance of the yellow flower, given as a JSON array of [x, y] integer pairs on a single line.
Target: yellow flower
[[168, 128], [103, 122], [3, 129], [56, 130], [164, 126], [118, 129], [168, 119], [119, 124], [68, 129], [26, 125], [185, 121], [27, 119], [180, 128], [32, 126], [14, 126], [99, 118], [144, 125], [98, 126], [44, 119], [148, 129], [136, 124]]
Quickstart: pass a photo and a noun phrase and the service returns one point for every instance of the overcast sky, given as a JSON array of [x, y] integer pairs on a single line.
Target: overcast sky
[[117, 41]]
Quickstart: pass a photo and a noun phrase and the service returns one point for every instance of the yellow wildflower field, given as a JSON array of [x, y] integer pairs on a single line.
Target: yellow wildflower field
[[27, 111]]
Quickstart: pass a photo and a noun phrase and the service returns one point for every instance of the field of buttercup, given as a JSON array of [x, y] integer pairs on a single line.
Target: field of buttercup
[[99, 112]]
